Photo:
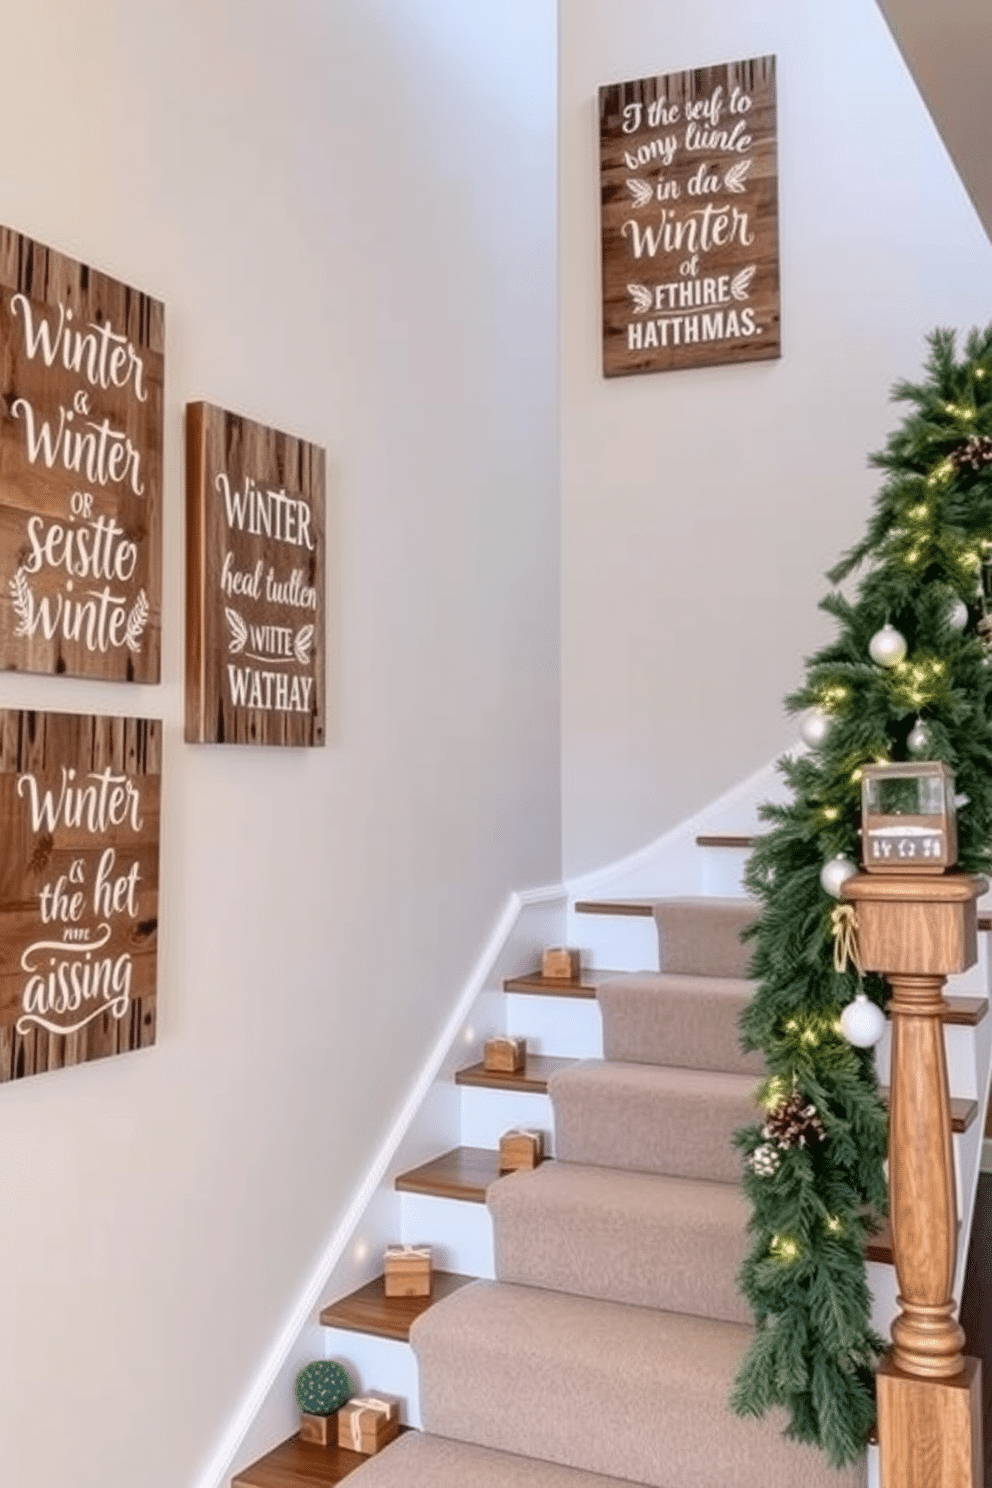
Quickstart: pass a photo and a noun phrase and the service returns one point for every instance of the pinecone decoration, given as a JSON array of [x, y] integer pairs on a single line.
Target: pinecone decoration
[[974, 454], [765, 1160], [793, 1124]]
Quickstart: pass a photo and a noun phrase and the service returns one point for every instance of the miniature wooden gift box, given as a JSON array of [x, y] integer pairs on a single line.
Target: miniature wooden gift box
[[907, 818], [559, 964], [408, 1271], [504, 1056], [520, 1148], [367, 1423]]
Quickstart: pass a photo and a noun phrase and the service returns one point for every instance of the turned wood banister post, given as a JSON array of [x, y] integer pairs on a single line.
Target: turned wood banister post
[[917, 931]]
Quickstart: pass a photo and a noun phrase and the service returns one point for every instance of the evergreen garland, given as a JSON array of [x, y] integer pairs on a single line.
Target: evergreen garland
[[928, 546]]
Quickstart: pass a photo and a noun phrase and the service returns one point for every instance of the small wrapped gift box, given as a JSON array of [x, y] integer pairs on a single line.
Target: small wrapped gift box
[[504, 1056], [520, 1148], [408, 1271], [321, 1430], [559, 964], [368, 1422]]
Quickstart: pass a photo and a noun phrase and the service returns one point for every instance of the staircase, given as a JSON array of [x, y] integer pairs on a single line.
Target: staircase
[[600, 1343]]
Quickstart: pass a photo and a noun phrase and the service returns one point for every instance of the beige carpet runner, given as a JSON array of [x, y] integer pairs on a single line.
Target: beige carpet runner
[[606, 1350]]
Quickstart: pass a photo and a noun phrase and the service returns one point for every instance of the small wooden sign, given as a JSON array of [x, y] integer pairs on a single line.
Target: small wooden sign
[[79, 800], [254, 583], [81, 369], [689, 183]]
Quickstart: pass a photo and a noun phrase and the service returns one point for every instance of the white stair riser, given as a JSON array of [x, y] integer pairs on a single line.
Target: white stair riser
[[615, 942], [459, 1233], [722, 871], [487, 1114], [378, 1364], [570, 1027]]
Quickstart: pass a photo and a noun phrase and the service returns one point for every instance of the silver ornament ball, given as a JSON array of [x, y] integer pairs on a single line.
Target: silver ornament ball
[[863, 1022], [918, 741], [836, 873], [958, 618], [887, 646], [815, 727]]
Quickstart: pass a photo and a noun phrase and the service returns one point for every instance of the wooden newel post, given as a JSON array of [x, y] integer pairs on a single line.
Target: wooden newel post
[[917, 931]]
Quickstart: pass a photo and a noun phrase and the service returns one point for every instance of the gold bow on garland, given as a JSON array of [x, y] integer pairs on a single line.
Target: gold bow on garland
[[844, 924]]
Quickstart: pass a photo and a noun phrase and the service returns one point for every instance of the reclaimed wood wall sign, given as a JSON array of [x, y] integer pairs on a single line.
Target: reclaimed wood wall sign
[[79, 801], [690, 219], [81, 368], [254, 583]]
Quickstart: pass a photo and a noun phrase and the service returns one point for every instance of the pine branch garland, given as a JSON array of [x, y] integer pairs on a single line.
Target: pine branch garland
[[927, 546]]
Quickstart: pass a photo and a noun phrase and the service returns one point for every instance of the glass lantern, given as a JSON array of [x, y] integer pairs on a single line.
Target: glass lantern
[[907, 818]]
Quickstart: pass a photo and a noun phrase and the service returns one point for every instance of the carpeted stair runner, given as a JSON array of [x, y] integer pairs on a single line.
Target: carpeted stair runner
[[609, 1344], [601, 1386], [651, 1118], [419, 1460], [669, 1243]]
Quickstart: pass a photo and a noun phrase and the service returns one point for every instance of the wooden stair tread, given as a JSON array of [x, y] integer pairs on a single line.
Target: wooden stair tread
[[616, 907], [369, 1310], [300, 1464], [585, 985], [533, 1077], [879, 1247], [963, 1110], [967, 1010], [463, 1173], [726, 839]]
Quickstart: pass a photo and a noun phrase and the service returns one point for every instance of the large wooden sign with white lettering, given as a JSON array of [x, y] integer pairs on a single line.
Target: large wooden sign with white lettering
[[690, 219], [79, 802], [81, 368], [254, 582]]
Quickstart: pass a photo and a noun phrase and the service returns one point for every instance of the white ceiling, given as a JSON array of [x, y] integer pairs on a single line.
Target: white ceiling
[[947, 45]]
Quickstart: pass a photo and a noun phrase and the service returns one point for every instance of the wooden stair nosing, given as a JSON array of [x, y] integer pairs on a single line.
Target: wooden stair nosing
[[464, 1174], [369, 1310], [533, 1078], [726, 839], [299, 1464], [533, 984], [643, 907]]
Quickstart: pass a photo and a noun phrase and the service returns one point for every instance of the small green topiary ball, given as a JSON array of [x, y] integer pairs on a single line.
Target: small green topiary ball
[[322, 1388]]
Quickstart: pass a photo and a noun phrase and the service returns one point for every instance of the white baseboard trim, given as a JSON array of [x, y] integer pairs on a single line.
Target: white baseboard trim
[[218, 1468]]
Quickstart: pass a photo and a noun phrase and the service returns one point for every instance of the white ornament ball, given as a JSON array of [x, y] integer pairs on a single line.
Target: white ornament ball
[[863, 1022], [887, 646], [815, 727], [836, 873], [958, 618], [918, 741]]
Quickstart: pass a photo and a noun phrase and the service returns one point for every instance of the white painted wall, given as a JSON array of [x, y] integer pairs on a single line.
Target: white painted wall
[[701, 508], [348, 209]]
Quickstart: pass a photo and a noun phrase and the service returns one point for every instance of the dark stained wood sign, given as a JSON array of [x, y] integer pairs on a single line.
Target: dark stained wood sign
[[81, 369], [79, 801], [254, 582], [690, 219]]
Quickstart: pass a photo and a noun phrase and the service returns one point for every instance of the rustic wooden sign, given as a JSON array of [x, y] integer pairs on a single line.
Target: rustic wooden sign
[[79, 801], [81, 368], [688, 166], [254, 582]]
